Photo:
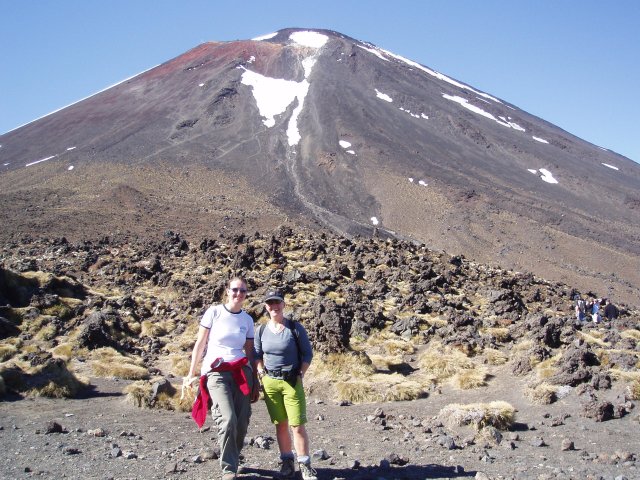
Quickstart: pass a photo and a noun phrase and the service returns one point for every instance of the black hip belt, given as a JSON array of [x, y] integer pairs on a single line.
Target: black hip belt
[[280, 374]]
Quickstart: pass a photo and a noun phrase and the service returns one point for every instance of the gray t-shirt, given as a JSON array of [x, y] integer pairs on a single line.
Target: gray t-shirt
[[279, 350]]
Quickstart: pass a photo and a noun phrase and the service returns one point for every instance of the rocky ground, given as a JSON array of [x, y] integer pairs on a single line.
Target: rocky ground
[[104, 436], [120, 313]]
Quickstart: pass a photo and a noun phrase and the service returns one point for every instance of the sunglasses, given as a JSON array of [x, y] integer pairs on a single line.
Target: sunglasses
[[241, 290]]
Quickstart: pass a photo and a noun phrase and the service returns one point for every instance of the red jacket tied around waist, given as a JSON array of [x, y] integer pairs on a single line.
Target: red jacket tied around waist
[[203, 403]]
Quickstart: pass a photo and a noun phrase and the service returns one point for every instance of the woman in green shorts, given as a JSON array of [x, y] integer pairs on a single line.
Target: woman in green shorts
[[283, 356]]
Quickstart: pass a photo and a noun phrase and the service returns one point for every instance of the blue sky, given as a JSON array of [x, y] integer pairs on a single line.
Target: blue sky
[[573, 63]]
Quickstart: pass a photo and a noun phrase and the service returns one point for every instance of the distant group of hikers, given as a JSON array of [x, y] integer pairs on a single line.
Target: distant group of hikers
[[595, 309], [236, 362]]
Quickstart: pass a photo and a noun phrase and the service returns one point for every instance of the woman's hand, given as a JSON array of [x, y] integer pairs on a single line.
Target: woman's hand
[[255, 391]]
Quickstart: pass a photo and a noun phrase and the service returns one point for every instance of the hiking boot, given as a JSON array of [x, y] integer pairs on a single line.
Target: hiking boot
[[287, 468], [308, 472]]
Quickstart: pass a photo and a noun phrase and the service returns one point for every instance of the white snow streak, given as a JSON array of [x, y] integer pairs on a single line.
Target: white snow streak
[[465, 103], [374, 220], [309, 39], [39, 161], [344, 144], [376, 52], [70, 167], [538, 139], [383, 96], [610, 166], [439, 75], [265, 37], [547, 176]]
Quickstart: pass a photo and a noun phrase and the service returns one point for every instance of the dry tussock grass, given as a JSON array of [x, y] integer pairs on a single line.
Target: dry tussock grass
[[632, 334], [390, 343], [444, 363], [523, 346], [47, 332], [618, 374], [55, 380], [108, 362], [140, 394], [500, 334], [634, 390], [383, 388], [180, 365], [542, 394], [342, 366], [547, 368], [7, 351], [63, 350], [495, 357], [593, 338], [385, 362], [468, 379], [157, 328], [497, 414]]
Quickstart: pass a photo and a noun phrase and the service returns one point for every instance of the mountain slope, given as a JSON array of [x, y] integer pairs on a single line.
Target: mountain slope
[[318, 129]]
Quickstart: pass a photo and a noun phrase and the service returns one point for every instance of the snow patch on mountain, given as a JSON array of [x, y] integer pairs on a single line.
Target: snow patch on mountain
[[40, 161], [383, 96], [546, 176], [438, 75], [309, 39], [610, 166], [274, 95], [538, 139], [265, 37], [375, 51]]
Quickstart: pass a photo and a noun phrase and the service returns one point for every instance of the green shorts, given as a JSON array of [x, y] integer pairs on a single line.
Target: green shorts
[[285, 402]]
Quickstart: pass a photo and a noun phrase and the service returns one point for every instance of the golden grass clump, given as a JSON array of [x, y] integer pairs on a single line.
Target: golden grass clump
[[499, 334], [495, 357], [547, 368], [631, 333], [140, 393], [593, 338], [180, 365], [542, 394], [356, 392], [64, 350], [47, 332], [341, 366], [444, 363], [468, 379], [629, 376], [7, 351], [111, 364], [54, 380], [499, 414], [152, 328], [634, 390], [408, 390]]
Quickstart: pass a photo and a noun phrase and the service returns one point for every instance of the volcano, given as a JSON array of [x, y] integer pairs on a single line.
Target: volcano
[[317, 130]]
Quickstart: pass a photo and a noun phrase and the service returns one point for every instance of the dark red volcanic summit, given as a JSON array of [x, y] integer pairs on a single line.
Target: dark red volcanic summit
[[316, 129]]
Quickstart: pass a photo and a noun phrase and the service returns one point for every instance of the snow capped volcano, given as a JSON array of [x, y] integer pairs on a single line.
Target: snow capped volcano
[[327, 131]]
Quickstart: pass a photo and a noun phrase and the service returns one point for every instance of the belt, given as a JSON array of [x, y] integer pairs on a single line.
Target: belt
[[280, 374]]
